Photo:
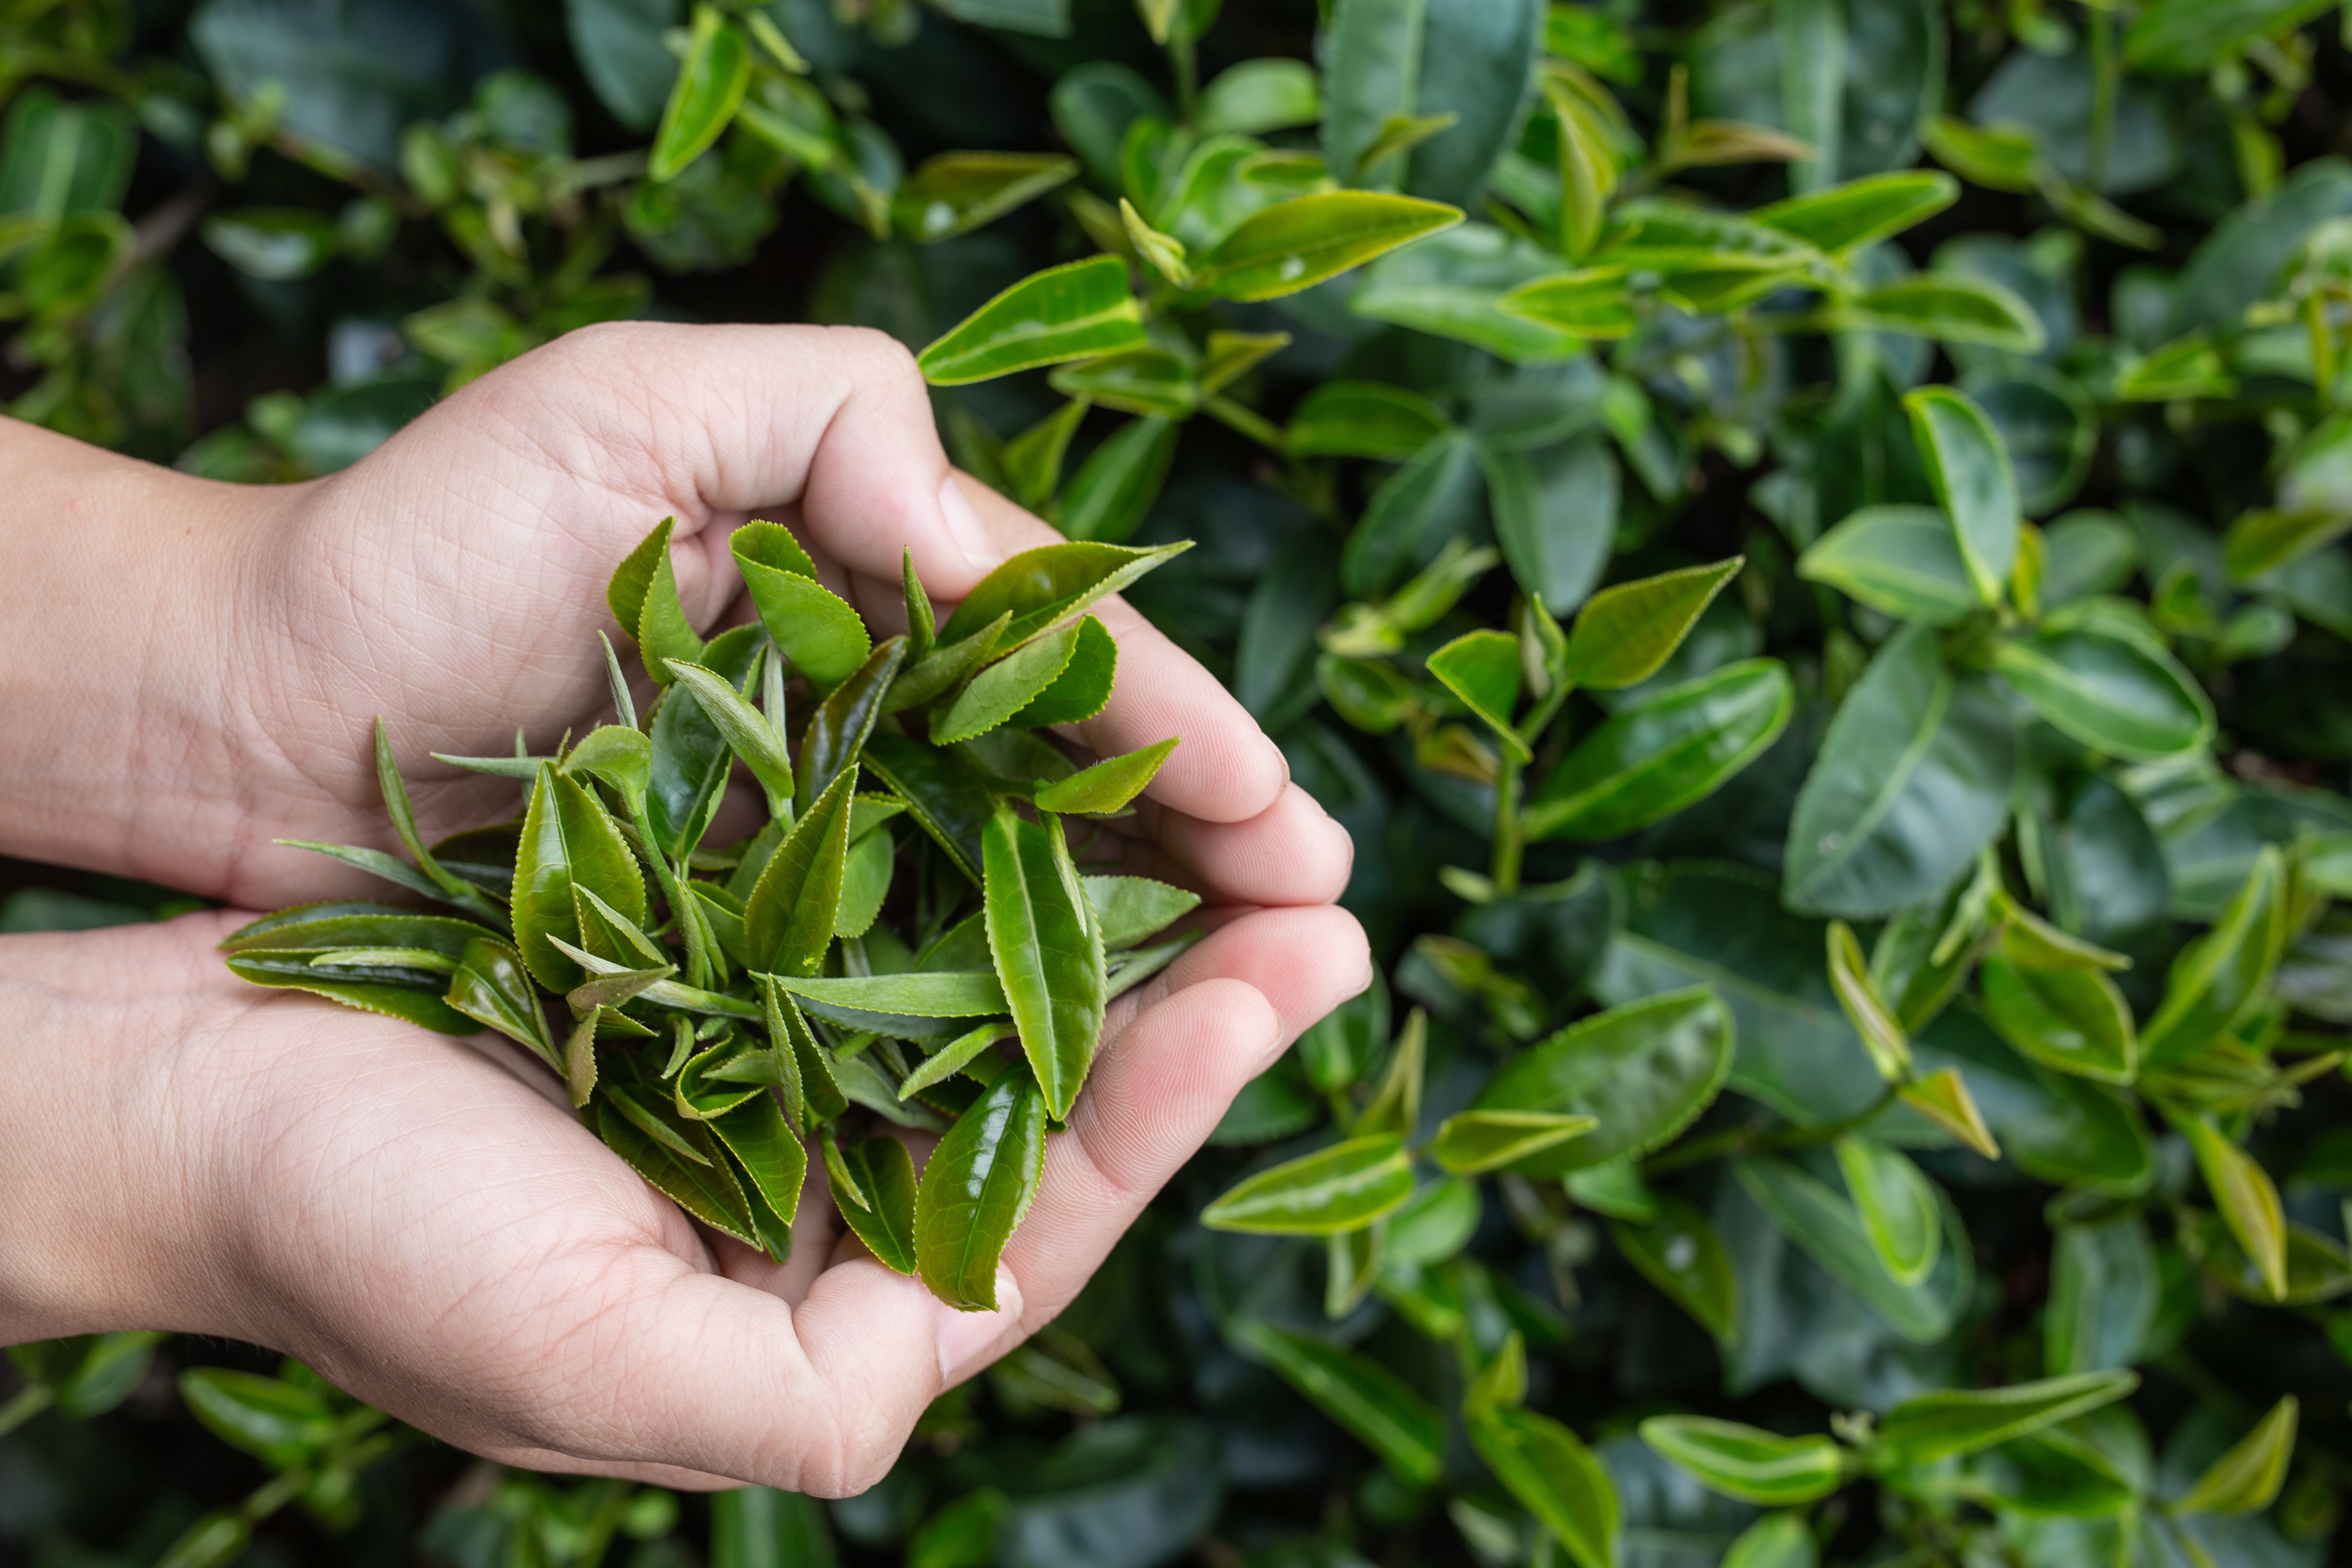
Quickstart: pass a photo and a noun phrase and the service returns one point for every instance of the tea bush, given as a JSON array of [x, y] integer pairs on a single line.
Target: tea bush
[[1801, 538]]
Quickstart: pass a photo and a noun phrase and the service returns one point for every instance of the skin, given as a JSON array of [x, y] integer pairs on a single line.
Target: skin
[[191, 670]]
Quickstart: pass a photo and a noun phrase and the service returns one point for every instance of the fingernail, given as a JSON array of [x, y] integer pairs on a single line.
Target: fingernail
[[963, 525], [1282, 759], [965, 1337]]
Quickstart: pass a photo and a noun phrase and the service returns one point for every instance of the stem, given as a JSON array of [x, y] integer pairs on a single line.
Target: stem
[[23, 1407], [1510, 839], [2103, 97]]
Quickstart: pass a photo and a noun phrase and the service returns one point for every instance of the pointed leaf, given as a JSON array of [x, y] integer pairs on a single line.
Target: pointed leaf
[[788, 919], [711, 84], [1902, 560], [1555, 1477], [1042, 934], [1344, 1187], [838, 729], [1848, 216], [2248, 1478], [1939, 1425], [1042, 587], [1004, 687], [1644, 1070], [1107, 786], [1747, 1462], [2070, 1019], [1482, 667], [977, 1186], [1943, 1097], [1363, 1396], [1967, 464], [1676, 1249], [567, 841], [2248, 1200], [1296, 244], [811, 625], [1663, 753], [1075, 311], [1899, 1209], [1471, 1142], [1624, 634], [2125, 697]]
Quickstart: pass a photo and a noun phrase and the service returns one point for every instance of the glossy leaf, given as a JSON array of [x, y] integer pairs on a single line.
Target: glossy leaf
[[1296, 244], [1911, 780], [953, 192], [975, 1189], [2247, 1198], [690, 762], [2250, 1475], [1073, 311], [877, 1200], [1108, 786], [1042, 587], [1951, 308], [2218, 978], [1004, 687], [1861, 212], [1129, 909], [1471, 1142], [1107, 498], [1663, 754], [1048, 953], [837, 731], [1644, 1070], [1747, 1462], [709, 86], [1555, 514], [641, 1133], [1939, 1426], [2074, 1020], [1865, 1008], [1357, 1392], [1968, 468], [945, 794], [1677, 1250], [1897, 1205], [767, 1151], [1361, 419], [1555, 1477], [1776, 1540], [1624, 633], [1344, 1187], [1824, 1225], [788, 921], [2121, 696], [568, 841], [811, 625], [1482, 669], [1902, 560]]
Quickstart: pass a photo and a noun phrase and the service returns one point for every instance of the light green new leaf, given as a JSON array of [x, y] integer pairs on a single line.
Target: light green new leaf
[[1296, 244], [1074, 311], [1961, 1421], [1594, 302], [1748, 1462], [2248, 1478], [1677, 1250], [1866, 1008], [1644, 1070], [257, 1414], [1969, 467], [2259, 540], [2074, 1020], [2219, 977], [1943, 1097], [1040, 587], [1147, 381], [1344, 1187], [1129, 909], [1861, 212], [1776, 1540], [976, 1188], [567, 841], [709, 86], [1624, 633], [834, 736], [1662, 755], [455, 889], [1899, 1209], [1903, 561], [1108, 786], [1371, 1401], [643, 595], [769, 1153], [928, 994], [955, 193], [812, 625], [1554, 1476], [1082, 690], [1049, 953], [1004, 687], [1823, 1224], [788, 921], [748, 732], [1482, 667], [1471, 1142], [2246, 1196], [490, 987], [1257, 95], [2123, 696], [1950, 307]]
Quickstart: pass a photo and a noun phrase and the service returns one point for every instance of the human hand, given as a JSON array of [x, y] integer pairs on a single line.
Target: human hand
[[423, 1221]]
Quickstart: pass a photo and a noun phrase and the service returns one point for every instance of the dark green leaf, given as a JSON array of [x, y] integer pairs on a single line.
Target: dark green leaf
[[1904, 560], [1108, 497], [1048, 953], [1360, 1394], [788, 919], [1555, 1477], [977, 1186], [1645, 1070], [1968, 468], [837, 730], [1361, 419], [880, 1205], [1657, 756], [2122, 696], [1677, 1250]]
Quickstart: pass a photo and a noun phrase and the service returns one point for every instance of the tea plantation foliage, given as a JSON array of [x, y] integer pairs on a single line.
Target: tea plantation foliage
[[1802, 539]]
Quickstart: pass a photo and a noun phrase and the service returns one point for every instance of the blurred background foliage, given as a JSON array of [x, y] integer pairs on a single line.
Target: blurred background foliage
[[2043, 686]]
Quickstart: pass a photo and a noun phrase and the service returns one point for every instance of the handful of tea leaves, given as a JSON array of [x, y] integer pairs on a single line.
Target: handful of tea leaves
[[925, 952]]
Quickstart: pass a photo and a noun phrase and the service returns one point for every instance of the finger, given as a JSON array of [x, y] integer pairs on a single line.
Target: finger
[[1292, 853], [1161, 1085], [1304, 962], [1224, 768]]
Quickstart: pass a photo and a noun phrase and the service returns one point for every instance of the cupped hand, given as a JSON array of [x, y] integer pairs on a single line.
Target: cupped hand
[[425, 1222]]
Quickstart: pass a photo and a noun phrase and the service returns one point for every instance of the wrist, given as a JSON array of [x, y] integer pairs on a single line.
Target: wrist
[[122, 753]]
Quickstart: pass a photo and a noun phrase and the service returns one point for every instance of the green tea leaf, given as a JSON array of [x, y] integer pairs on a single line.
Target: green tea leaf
[[1823, 1224], [1951, 308], [701, 1187], [1663, 754], [1108, 497], [1363, 1396], [1747, 1462], [1866, 1008], [1776, 1540], [709, 85], [944, 792], [1048, 954], [2218, 978], [1555, 514], [1903, 561], [954, 994], [788, 921], [1969, 467], [764, 1145], [1898, 1206], [747, 731], [1624, 633], [1296, 244], [1861, 212], [491, 987], [1939, 1425], [976, 1187], [1676, 1249], [2250, 1476], [1129, 909], [2246, 1196], [1943, 1097], [691, 762], [2177, 37], [1108, 786], [567, 841], [1341, 1188], [955, 193], [837, 730], [1074, 311], [265, 1416], [1911, 781], [1644, 1071], [1455, 284], [881, 1207], [1555, 1477], [809, 623], [1482, 669], [454, 889], [414, 999], [1148, 380], [621, 756], [1361, 419], [1258, 96], [1042, 587], [2118, 695], [1471, 1142], [2074, 1020], [1004, 687]]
